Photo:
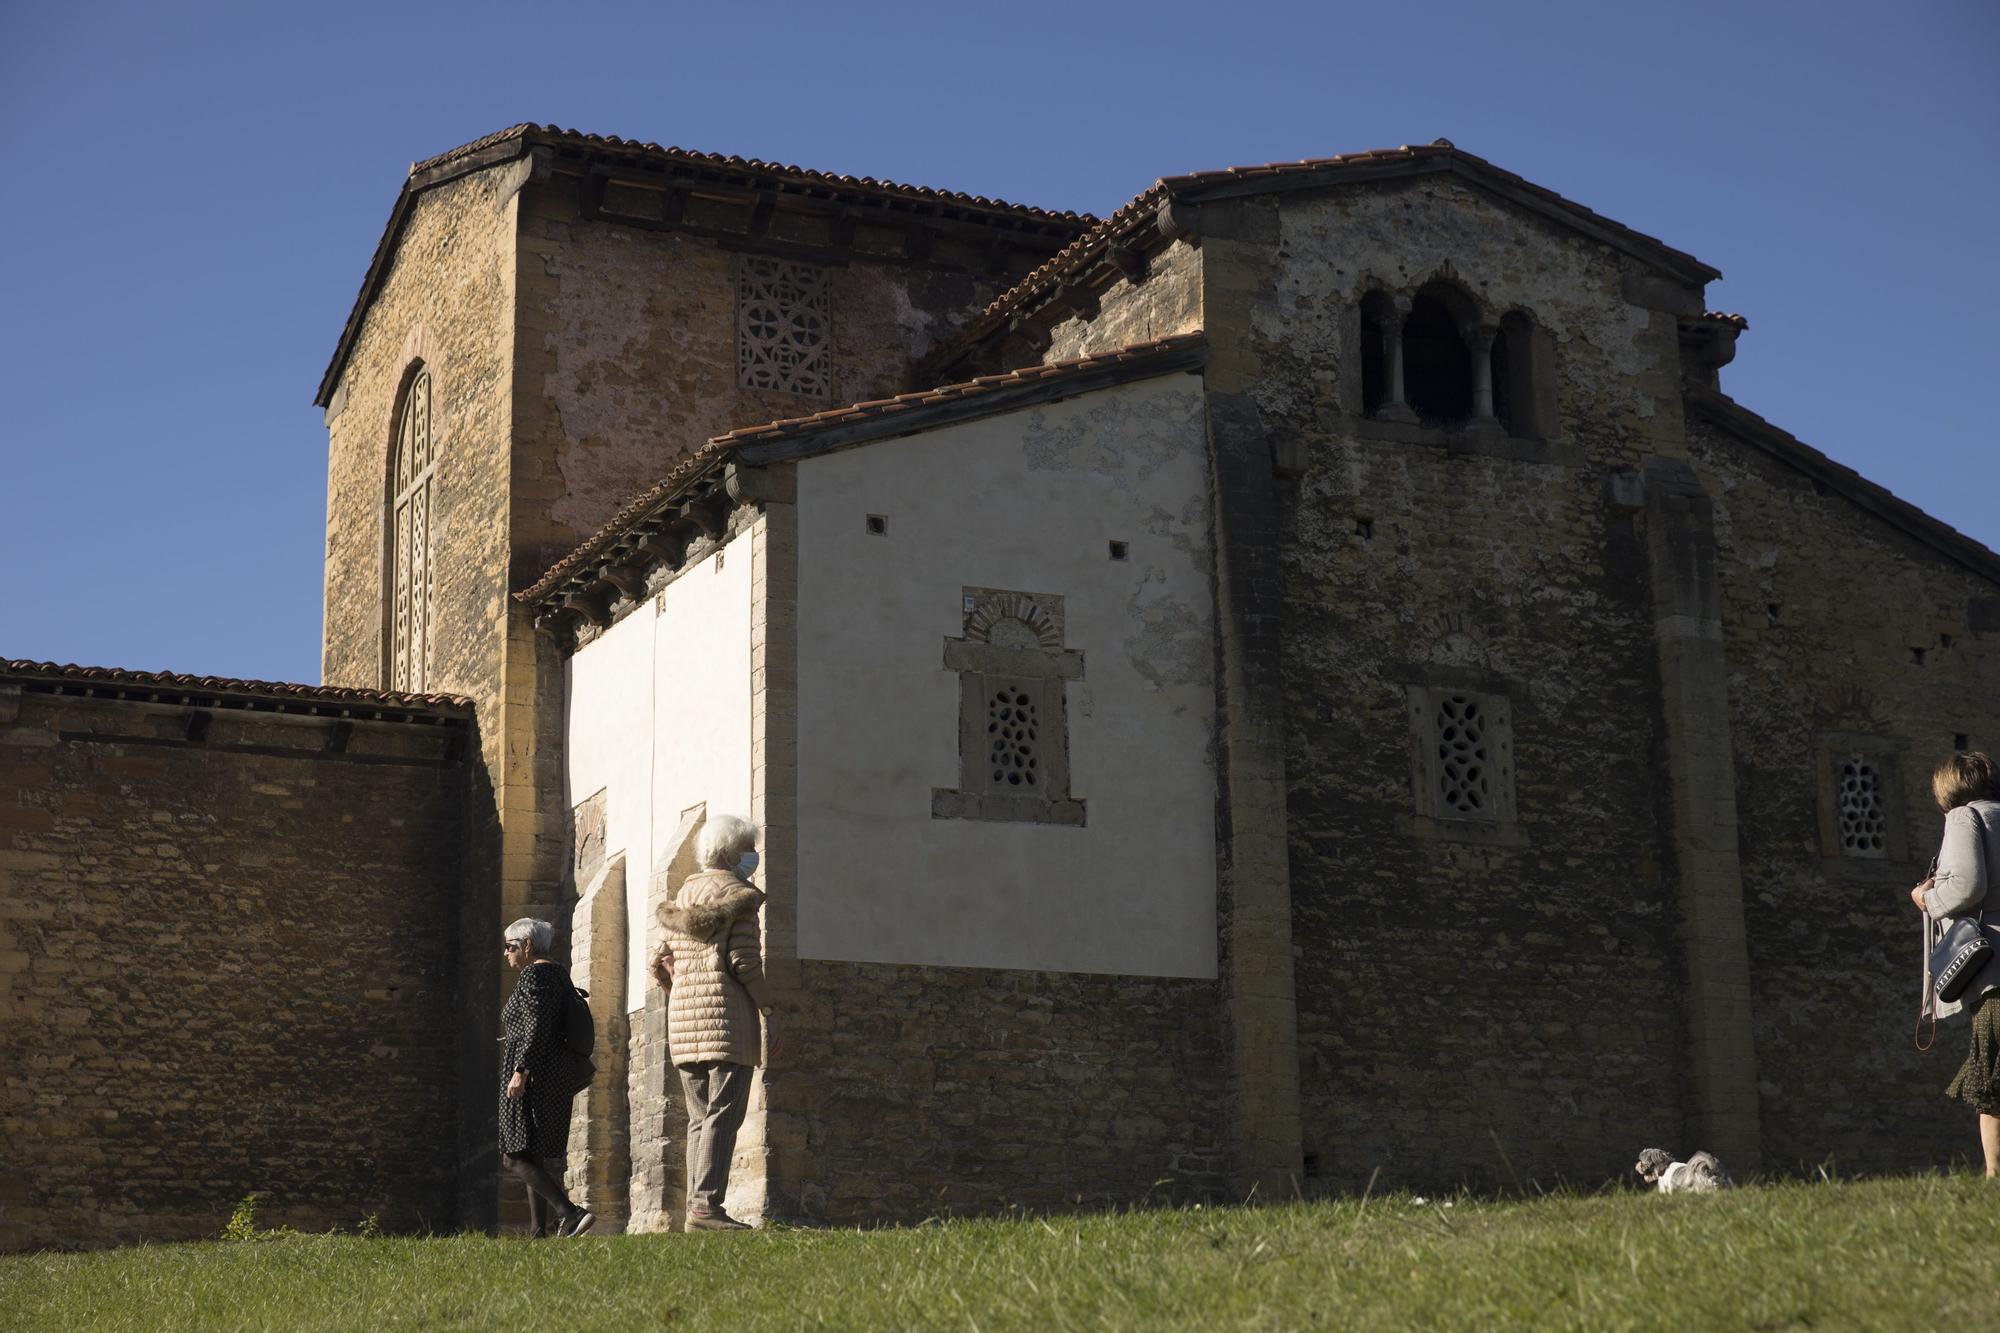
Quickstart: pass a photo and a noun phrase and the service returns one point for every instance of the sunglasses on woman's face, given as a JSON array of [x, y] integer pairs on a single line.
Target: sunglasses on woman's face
[[512, 945]]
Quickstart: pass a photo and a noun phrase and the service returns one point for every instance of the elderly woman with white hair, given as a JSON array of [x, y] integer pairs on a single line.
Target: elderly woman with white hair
[[543, 1075], [713, 970]]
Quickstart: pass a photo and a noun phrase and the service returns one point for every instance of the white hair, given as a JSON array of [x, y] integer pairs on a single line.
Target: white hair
[[723, 840], [541, 934]]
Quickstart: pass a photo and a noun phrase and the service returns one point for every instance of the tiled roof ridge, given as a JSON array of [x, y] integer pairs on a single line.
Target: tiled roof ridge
[[717, 446], [872, 184], [1724, 411], [283, 690], [1729, 317], [1132, 217]]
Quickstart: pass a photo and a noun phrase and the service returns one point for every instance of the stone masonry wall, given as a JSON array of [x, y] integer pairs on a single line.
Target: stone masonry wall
[[1484, 1005], [927, 1091], [224, 971], [448, 301], [629, 357], [1826, 613], [1166, 301]]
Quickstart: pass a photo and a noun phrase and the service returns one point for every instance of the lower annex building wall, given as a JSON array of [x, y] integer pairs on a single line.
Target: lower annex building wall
[[229, 951]]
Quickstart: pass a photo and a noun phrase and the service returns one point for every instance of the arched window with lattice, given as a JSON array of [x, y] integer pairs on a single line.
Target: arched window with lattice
[[412, 576]]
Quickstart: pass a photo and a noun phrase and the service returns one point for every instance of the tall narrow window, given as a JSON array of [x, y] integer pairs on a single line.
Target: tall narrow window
[[411, 574], [1437, 363]]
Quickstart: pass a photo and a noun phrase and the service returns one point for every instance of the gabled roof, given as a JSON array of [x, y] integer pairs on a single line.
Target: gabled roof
[[1137, 226], [1725, 413], [227, 692], [881, 418], [516, 140]]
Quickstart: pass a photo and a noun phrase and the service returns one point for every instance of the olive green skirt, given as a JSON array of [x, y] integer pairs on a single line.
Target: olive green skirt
[[1978, 1081]]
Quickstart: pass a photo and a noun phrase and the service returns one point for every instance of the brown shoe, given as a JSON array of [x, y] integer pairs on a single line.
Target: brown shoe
[[715, 1221]]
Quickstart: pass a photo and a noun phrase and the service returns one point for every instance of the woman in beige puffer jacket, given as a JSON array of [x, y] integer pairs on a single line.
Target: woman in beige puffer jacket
[[713, 969]]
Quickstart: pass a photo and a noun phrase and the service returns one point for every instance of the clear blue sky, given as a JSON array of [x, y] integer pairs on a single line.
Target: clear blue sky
[[190, 194]]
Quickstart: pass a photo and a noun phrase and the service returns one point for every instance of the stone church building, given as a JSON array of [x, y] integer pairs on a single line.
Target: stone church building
[[1303, 681]]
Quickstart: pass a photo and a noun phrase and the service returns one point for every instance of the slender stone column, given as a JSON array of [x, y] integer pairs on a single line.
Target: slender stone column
[[1480, 339], [1393, 407]]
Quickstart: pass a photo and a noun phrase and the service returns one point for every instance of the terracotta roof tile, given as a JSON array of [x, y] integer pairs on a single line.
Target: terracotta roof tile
[[278, 692], [715, 449]]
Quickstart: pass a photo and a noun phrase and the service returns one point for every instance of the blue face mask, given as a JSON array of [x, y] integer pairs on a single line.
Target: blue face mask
[[747, 866]]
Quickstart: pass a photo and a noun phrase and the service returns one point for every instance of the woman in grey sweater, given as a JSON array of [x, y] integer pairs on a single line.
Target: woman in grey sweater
[[1967, 788]]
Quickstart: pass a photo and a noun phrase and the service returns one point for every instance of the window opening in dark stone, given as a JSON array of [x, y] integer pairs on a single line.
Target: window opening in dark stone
[[1437, 365], [1374, 373]]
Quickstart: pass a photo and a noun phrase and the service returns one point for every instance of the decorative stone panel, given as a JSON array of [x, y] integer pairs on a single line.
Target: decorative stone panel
[[1461, 759], [1013, 740], [1860, 801], [784, 327]]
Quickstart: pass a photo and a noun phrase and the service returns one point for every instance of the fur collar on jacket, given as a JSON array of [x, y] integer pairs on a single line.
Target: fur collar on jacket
[[710, 917]]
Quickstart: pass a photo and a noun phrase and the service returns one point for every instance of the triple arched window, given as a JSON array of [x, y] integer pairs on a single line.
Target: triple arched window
[[1433, 359], [412, 574]]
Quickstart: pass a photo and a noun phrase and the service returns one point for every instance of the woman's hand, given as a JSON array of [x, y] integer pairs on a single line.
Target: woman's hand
[[517, 1086], [1917, 893]]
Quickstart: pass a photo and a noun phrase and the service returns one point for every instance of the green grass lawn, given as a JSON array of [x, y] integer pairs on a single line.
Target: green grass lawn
[[1914, 1253]]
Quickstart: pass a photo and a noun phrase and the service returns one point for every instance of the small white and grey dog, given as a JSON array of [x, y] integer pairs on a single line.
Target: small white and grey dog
[[1699, 1174]]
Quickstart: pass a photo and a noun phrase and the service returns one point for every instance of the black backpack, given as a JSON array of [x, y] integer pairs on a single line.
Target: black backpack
[[579, 1029]]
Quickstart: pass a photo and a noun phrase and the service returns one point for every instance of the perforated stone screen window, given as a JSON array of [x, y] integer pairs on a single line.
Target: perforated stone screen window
[[1463, 750], [784, 327], [1863, 814], [1013, 729]]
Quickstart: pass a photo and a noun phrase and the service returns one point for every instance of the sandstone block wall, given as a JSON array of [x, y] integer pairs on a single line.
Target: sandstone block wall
[[226, 965]]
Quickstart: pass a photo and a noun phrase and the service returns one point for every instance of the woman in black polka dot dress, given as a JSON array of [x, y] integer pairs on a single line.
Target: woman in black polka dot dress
[[542, 1076]]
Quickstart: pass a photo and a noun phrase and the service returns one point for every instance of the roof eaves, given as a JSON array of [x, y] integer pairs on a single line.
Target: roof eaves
[[1721, 410]]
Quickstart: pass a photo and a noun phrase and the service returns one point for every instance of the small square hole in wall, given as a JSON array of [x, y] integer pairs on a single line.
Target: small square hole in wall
[[1364, 528], [1772, 610], [1119, 550], [1916, 656], [878, 524], [1961, 741], [1311, 1165], [1944, 640]]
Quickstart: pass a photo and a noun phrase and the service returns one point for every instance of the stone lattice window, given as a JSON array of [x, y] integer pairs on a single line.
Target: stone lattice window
[[784, 327], [1013, 720], [1864, 819], [1013, 742], [1464, 757], [412, 572], [1463, 746]]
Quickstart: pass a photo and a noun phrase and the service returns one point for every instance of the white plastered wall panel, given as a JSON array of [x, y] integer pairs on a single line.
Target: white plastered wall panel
[[659, 719], [1029, 501]]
